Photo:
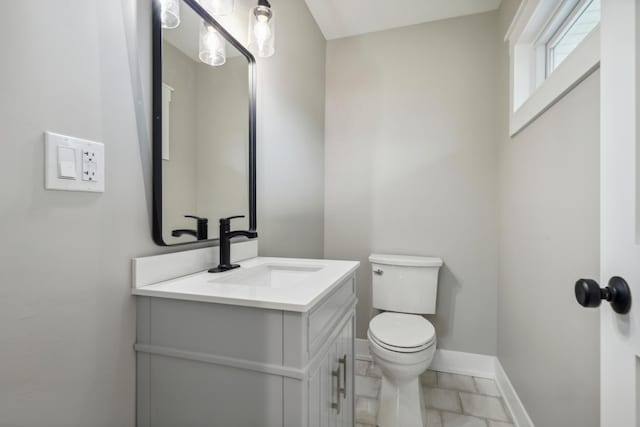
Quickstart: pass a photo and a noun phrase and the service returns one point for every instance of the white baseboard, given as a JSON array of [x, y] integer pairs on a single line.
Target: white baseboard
[[477, 365], [520, 416], [458, 362]]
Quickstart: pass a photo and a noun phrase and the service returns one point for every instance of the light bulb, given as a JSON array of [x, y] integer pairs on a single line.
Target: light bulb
[[169, 13], [218, 7], [262, 31], [212, 47]]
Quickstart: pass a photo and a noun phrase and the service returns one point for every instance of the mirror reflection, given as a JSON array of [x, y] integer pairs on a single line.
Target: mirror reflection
[[205, 130]]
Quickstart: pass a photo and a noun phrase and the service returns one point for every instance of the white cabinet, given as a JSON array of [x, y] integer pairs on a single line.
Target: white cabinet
[[206, 364]]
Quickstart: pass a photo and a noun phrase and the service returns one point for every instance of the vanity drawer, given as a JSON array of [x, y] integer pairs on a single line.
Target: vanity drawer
[[322, 318]]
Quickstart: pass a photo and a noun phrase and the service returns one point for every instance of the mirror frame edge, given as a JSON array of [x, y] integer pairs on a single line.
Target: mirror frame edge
[[156, 144]]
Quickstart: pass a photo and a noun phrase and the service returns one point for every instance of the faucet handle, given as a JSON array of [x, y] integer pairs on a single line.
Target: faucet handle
[[228, 220], [197, 218]]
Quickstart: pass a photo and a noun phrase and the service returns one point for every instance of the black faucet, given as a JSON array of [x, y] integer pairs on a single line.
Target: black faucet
[[201, 233], [225, 243]]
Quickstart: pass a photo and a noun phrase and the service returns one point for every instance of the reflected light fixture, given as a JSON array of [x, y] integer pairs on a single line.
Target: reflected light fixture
[[218, 7], [170, 13], [262, 29], [212, 47]]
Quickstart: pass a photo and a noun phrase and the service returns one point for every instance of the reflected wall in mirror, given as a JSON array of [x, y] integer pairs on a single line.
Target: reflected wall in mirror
[[204, 127]]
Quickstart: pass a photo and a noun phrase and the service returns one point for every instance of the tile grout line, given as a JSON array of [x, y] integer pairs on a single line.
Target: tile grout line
[[463, 391]]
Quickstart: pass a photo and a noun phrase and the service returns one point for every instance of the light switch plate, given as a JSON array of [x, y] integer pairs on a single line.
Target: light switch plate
[[88, 156]]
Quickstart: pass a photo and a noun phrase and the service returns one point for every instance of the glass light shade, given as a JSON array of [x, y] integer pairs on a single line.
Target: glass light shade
[[170, 13], [218, 7], [212, 47], [262, 29]]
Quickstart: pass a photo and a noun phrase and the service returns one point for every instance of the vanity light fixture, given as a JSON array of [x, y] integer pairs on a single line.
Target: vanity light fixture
[[212, 47], [170, 13], [218, 7], [262, 29]]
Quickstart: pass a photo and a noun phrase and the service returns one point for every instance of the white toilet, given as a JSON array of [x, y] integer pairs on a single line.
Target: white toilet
[[401, 341]]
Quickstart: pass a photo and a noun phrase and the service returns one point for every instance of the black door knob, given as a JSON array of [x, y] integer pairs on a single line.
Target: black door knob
[[589, 294]]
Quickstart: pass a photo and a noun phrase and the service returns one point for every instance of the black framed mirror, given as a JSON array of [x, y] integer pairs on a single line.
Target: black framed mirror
[[204, 126]]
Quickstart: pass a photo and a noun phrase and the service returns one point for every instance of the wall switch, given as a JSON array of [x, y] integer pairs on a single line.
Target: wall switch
[[73, 164], [66, 162]]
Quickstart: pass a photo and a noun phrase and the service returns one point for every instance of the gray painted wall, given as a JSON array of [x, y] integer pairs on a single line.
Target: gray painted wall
[[67, 319], [411, 164], [549, 237]]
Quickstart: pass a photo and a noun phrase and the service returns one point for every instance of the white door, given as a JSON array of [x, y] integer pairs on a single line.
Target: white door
[[620, 209]]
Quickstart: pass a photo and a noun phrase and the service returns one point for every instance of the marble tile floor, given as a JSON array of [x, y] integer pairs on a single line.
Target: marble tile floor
[[451, 400]]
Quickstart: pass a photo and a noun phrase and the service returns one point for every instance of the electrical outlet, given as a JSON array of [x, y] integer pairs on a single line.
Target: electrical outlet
[[89, 165]]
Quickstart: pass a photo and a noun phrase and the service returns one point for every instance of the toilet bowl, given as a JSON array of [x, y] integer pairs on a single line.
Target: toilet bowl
[[403, 346]]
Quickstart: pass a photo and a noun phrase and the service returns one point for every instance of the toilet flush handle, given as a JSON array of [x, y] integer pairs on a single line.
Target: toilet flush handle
[[379, 272]]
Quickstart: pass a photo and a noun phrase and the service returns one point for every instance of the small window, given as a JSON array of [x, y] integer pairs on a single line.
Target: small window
[[582, 20], [543, 35]]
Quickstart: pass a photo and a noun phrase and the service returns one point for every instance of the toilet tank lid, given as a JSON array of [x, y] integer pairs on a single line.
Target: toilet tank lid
[[405, 260]]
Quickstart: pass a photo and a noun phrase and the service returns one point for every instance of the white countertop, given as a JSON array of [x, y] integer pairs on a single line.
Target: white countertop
[[292, 295]]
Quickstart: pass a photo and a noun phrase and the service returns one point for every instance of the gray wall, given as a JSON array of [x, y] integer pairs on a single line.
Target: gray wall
[[67, 322], [411, 164], [549, 237], [67, 319]]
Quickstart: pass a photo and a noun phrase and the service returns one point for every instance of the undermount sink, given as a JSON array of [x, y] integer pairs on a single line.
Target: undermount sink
[[274, 275]]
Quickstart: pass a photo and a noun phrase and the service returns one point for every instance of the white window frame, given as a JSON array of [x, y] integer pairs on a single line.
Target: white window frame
[[577, 9], [534, 87]]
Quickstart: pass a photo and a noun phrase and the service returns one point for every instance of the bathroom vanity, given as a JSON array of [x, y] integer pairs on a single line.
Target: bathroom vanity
[[268, 344]]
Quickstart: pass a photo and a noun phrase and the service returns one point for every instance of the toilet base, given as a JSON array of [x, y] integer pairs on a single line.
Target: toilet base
[[401, 405]]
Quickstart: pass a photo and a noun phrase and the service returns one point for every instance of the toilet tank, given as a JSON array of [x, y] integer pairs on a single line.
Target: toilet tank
[[406, 284]]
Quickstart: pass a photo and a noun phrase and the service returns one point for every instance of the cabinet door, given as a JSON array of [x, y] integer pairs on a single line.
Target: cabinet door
[[332, 384], [345, 348], [315, 402], [322, 391]]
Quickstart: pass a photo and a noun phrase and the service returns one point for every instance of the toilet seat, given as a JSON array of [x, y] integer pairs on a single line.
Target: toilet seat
[[401, 332]]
